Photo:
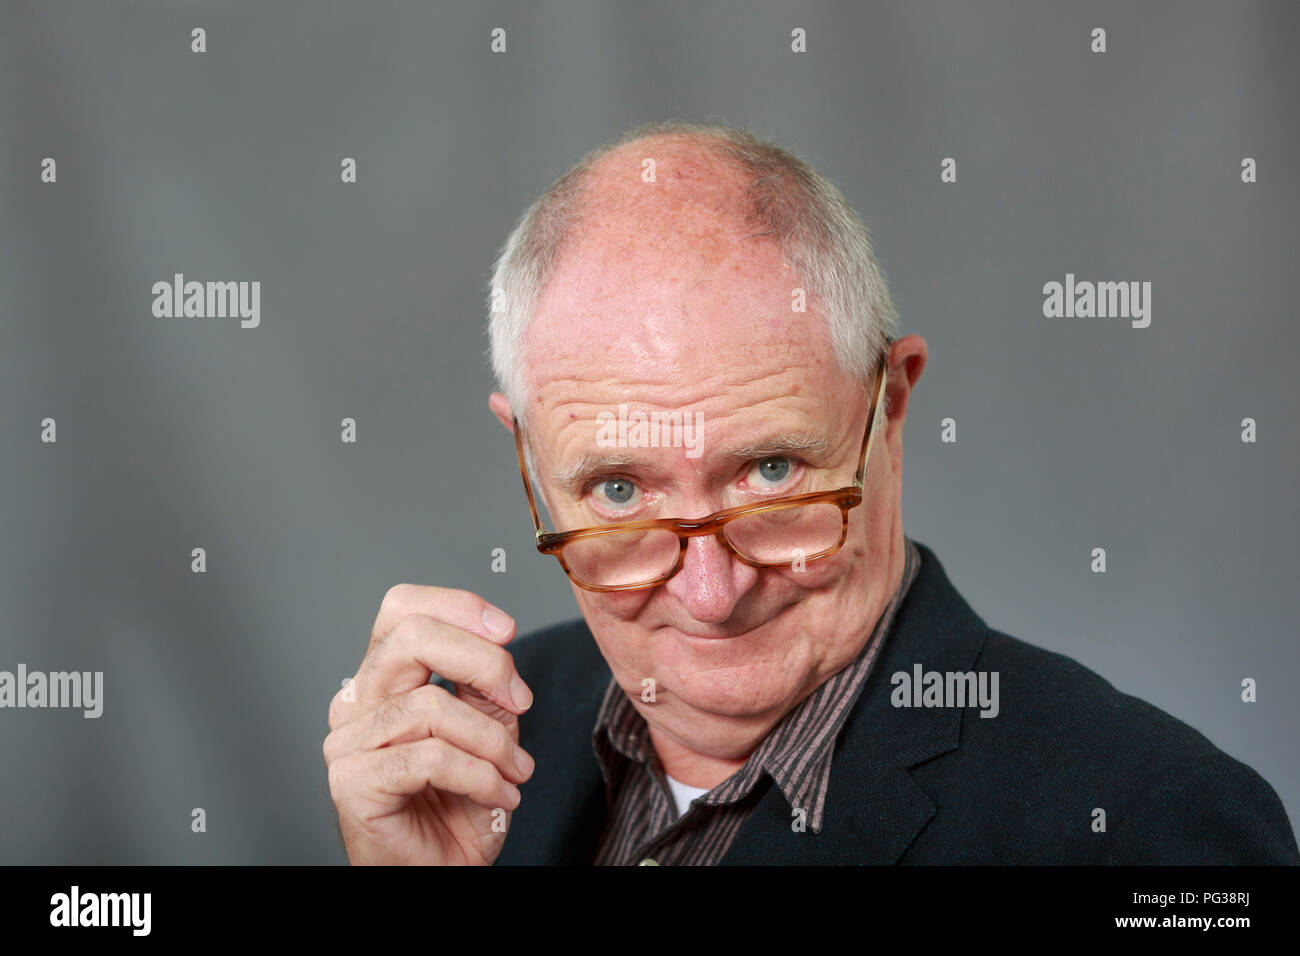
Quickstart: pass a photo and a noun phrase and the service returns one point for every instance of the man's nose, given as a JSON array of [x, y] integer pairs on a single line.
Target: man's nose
[[711, 580]]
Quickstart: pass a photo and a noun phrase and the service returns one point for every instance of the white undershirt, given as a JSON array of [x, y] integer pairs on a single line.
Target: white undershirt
[[683, 794]]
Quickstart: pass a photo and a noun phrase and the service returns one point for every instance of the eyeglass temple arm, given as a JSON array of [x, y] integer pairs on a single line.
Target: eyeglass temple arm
[[538, 530], [860, 479]]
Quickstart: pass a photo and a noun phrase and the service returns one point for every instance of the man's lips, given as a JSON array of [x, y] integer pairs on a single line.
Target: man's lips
[[708, 637], [714, 635]]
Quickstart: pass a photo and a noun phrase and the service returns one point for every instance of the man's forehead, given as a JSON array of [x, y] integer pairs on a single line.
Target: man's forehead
[[585, 382], [666, 320]]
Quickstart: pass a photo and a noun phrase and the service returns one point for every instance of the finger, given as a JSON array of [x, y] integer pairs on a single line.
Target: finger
[[462, 609], [420, 646], [342, 704], [431, 711], [372, 783]]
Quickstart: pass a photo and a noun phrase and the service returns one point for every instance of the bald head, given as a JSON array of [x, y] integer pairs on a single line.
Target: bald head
[[654, 179]]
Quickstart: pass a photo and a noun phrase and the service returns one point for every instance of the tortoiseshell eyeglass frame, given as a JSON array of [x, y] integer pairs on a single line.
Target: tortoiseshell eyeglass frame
[[847, 498]]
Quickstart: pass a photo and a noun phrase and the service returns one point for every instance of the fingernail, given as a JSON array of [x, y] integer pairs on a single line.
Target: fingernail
[[497, 622], [512, 792], [523, 761], [519, 693]]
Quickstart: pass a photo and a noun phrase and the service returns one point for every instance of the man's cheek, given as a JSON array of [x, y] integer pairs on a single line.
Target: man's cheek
[[803, 574], [611, 609], [627, 649]]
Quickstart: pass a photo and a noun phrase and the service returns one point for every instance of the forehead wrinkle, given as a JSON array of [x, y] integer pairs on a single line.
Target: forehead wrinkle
[[576, 423], [572, 381]]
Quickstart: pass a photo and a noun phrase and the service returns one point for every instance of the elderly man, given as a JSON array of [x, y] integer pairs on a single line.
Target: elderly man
[[767, 669]]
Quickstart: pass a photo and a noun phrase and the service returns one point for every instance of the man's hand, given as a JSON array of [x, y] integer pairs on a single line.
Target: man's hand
[[419, 775]]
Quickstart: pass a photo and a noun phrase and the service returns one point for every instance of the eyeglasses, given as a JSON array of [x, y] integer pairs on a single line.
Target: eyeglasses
[[780, 532]]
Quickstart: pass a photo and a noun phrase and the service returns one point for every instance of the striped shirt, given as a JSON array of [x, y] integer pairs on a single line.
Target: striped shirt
[[642, 823]]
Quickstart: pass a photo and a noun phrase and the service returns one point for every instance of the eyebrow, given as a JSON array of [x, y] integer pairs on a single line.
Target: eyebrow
[[589, 465], [814, 444]]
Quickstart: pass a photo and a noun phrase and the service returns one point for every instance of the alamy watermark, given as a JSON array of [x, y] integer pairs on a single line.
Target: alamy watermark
[[1102, 300], [638, 429], [58, 689], [76, 908], [923, 688], [209, 300]]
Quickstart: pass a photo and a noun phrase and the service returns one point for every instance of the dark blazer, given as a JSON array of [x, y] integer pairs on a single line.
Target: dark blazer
[[935, 785]]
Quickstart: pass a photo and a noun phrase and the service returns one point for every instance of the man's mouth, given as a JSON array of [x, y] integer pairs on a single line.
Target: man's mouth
[[718, 634], [709, 637]]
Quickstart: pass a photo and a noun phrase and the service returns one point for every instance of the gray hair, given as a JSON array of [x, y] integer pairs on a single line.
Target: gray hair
[[821, 238]]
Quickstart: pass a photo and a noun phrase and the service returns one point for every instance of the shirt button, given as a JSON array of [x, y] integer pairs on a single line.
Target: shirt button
[[649, 861]]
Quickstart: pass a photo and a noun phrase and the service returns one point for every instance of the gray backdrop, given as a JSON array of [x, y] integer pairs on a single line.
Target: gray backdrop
[[175, 434]]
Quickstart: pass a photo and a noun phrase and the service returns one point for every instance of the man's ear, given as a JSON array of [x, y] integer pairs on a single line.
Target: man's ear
[[497, 402], [907, 358]]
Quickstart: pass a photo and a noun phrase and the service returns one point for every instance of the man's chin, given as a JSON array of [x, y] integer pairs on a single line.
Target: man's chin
[[746, 675], [717, 703], [747, 689]]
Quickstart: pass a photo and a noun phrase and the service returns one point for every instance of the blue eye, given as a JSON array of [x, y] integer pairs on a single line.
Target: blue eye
[[617, 491], [775, 470]]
